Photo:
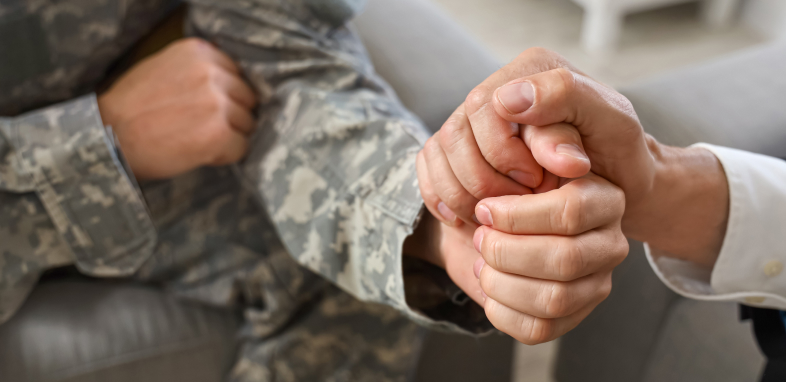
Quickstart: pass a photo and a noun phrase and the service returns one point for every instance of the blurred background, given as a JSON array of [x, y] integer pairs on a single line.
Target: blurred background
[[650, 37], [654, 35]]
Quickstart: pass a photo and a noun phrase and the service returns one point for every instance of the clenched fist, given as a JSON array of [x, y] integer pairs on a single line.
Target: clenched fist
[[180, 109]]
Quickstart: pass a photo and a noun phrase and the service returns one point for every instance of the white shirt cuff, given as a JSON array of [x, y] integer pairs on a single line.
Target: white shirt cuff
[[751, 262]]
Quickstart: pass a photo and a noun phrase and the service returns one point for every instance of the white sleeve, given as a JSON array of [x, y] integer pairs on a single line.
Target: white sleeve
[[750, 265]]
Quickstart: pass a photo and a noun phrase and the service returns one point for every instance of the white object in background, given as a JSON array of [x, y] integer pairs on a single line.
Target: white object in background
[[603, 18]]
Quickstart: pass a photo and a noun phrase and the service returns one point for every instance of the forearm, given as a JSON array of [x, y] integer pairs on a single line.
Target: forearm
[[686, 211]]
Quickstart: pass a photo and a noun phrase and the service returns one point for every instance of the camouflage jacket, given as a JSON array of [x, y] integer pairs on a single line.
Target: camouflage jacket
[[329, 181]]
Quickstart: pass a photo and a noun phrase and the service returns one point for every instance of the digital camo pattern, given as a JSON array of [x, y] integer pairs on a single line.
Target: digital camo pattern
[[85, 201], [57, 50], [329, 182]]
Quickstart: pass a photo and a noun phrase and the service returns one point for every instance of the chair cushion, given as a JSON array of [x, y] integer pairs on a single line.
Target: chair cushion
[[110, 331], [738, 101], [428, 59], [704, 341]]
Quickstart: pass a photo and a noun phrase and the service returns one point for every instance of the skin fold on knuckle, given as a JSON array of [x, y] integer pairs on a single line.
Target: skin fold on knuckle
[[568, 259], [480, 186], [449, 136], [497, 157], [477, 99], [605, 289], [539, 330], [573, 216], [489, 279], [554, 91], [493, 251], [555, 299], [455, 198], [506, 215]]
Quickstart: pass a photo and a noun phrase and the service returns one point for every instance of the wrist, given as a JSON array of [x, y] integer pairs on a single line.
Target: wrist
[[106, 109], [424, 241], [686, 210]]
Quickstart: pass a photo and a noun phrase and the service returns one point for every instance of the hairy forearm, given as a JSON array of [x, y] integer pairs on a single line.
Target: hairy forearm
[[686, 211]]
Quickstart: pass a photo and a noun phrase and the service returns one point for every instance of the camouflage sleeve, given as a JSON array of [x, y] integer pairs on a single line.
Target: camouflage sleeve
[[65, 198], [334, 157]]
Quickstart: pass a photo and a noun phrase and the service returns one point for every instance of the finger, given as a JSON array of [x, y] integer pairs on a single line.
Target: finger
[[552, 257], [459, 254], [456, 201], [550, 182], [558, 148], [603, 117], [579, 206], [500, 142], [544, 298], [237, 89], [468, 164], [528, 329], [213, 54], [231, 146], [430, 198], [240, 118]]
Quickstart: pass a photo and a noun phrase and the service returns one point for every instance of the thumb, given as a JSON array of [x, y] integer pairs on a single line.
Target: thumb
[[558, 148], [607, 128], [560, 95]]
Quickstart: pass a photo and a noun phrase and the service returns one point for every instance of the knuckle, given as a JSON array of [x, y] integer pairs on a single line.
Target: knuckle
[[455, 198], [476, 99], [622, 248], [509, 218], [568, 259], [536, 51], [572, 217], [564, 83], [540, 330], [214, 104], [489, 282], [190, 44], [497, 158], [556, 300], [204, 72], [479, 186], [450, 133], [605, 288], [619, 197], [494, 252]]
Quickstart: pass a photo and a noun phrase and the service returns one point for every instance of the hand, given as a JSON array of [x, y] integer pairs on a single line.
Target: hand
[[547, 258], [449, 248], [478, 154], [182, 108], [677, 198]]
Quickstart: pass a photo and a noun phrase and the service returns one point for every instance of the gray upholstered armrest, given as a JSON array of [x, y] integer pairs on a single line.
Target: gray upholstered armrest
[[738, 101]]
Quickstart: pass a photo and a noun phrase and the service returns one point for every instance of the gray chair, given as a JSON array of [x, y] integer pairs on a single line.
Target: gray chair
[[643, 331], [77, 329]]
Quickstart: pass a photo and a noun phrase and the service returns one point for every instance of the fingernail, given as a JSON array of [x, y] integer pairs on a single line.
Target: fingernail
[[446, 212], [571, 150], [478, 266], [517, 98], [483, 294], [523, 178], [484, 215], [478, 239]]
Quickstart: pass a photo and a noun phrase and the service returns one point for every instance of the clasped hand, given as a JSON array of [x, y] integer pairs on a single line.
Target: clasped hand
[[510, 164]]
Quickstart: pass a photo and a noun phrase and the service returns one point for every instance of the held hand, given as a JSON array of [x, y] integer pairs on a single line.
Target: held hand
[[479, 154], [677, 198], [182, 108], [547, 258]]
